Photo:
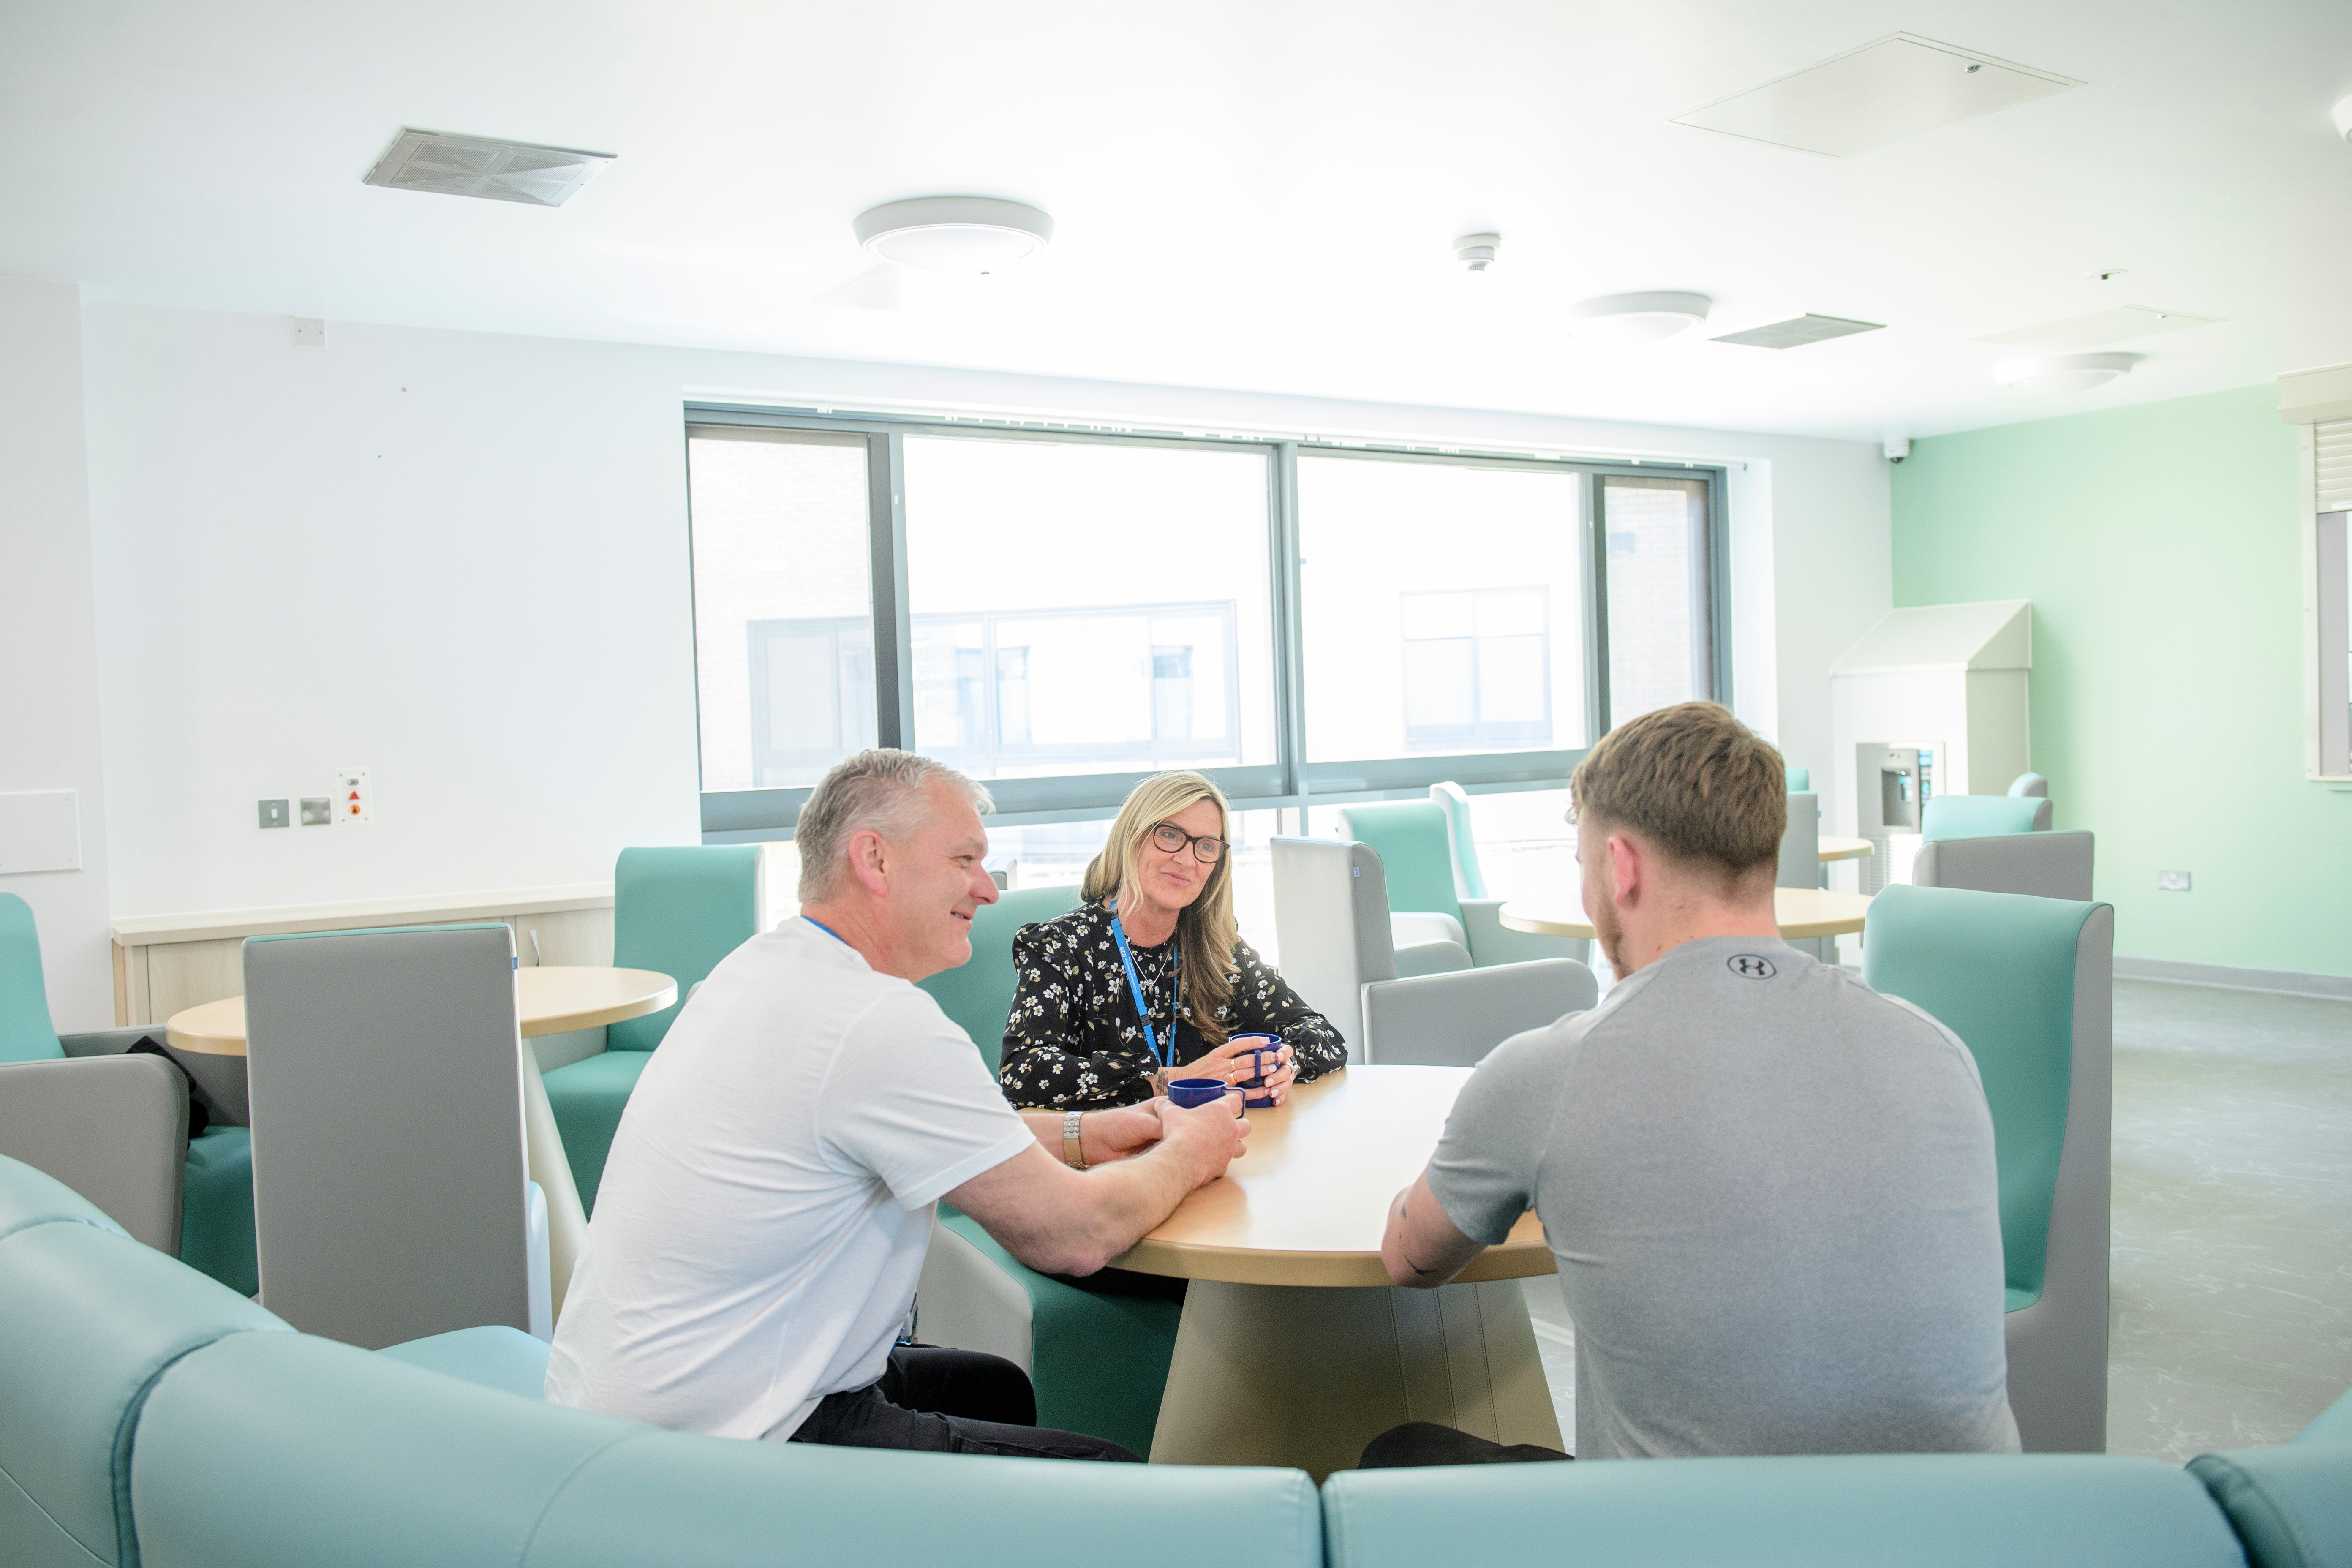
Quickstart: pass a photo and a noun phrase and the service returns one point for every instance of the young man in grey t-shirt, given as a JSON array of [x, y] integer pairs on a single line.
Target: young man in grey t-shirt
[[1769, 1189]]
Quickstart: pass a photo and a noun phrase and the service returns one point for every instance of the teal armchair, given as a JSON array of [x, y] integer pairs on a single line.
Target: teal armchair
[[677, 911], [979, 995], [2032, 784], [1983, 815], [1799, 780], [1469, 880], [115, 1128], [1416, 841], [1098, 1362], [2042, 1037]]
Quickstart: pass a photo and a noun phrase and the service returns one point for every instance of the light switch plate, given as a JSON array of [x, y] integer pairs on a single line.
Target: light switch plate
[[273, 812], [308, 332], [354, 800], [318, 810], [2172, 881]]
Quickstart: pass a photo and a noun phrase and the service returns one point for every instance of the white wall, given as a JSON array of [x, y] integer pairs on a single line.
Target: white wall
[[50, 736], [460, 560]]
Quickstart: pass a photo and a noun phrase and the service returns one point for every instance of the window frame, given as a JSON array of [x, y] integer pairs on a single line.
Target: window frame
[[1290, 781]]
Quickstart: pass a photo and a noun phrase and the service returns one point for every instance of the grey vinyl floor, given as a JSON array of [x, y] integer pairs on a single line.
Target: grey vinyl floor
[[2231, 1290]]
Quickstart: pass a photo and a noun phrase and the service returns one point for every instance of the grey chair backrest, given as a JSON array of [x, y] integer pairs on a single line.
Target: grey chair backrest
[[114, 1128], [2029, 783], [1454, 1020], [2058, 1346], [2043, 865], [1332, 924], [384, 1076], [1801, 844]]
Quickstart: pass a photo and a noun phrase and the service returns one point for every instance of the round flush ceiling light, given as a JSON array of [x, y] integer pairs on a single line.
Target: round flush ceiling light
[[2066, 372], [954, 234], [1636, 318]]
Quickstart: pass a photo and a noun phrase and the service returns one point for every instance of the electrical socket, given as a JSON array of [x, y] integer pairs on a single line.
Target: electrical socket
[[2172, 881], [273, 812]]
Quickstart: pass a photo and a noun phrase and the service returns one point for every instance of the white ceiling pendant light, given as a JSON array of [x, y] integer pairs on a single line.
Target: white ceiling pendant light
[[2064, 373], [954, 234], [1637, 318]]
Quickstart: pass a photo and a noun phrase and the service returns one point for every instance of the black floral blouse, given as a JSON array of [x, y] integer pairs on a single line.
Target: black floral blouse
[[1074, 1041]]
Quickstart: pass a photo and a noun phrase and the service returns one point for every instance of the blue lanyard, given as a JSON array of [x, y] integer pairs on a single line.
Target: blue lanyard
[[1135, 987], [827, 930]]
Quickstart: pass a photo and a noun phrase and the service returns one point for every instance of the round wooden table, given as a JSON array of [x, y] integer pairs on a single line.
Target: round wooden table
[[1844, 848], [1294, 1349], [1800, 912], [550, 999]]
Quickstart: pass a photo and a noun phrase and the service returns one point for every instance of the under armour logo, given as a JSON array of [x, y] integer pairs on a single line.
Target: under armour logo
[[1750, 966]]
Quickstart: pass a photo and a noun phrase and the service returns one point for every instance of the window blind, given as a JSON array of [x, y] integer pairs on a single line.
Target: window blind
[[2333, 440]]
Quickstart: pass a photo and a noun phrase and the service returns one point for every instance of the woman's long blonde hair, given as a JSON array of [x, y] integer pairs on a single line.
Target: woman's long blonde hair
[[1205, 928]]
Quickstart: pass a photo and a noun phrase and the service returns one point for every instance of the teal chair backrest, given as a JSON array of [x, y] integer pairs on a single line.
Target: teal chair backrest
[[677, 911], [1998, 970], [1468, 879], [1408, 836], [25, 1035], [1979, 815], [979, 996], [1801, 779], [2029, 783]]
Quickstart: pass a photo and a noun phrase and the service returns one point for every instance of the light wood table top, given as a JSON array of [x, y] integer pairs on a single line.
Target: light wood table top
[[1833, 849], [552, 999], [1307, 1203], [1800, 912]]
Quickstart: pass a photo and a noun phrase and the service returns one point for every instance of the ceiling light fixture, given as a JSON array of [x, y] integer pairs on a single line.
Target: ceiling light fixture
[[2344, 118], [2064, 373], [954, 234], [1629, 319], [1475, 252]]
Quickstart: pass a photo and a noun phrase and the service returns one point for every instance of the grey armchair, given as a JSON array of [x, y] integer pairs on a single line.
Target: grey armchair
[[2039, 865], [384, 1069], [1331, 919]]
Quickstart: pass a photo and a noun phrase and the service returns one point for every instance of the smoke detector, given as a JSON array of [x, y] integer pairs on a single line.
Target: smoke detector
[[1475, 252], [2064, 373], [483, 166], [954, 234], [1636, 318]]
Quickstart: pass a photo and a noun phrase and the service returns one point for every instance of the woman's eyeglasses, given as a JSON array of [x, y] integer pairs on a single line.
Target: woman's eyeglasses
[[1172, 839]]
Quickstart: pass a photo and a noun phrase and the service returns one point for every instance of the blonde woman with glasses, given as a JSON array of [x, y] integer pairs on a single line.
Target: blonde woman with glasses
[[1149, 978]]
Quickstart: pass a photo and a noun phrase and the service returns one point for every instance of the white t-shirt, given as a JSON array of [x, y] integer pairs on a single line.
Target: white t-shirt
[[768, 1200]]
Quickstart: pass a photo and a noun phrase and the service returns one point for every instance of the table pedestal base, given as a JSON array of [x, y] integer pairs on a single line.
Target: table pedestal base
[[1300, 1376]]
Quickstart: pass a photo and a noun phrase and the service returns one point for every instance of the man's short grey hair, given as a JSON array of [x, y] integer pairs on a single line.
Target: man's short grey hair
[[881, 789]]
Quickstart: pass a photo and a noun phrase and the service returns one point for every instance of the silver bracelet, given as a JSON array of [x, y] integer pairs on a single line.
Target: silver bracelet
[[1072, 1153]]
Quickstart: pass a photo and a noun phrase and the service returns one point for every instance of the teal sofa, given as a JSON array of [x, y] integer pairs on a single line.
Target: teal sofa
[[151, 1418]]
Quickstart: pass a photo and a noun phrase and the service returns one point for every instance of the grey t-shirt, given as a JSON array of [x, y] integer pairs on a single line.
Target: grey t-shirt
[[1772, 1199]]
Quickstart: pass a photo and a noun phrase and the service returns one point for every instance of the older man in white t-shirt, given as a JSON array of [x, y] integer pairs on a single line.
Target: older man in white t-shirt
[[764, 1212]]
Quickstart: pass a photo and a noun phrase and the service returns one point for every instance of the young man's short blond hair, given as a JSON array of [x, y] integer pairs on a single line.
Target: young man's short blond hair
[[1694, 781]]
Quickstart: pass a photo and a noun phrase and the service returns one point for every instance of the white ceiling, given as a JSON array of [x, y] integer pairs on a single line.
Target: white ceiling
[[1250, 195]]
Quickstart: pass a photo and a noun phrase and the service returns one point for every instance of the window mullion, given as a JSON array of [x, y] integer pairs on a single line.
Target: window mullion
[[894, 640], [1289, 632]]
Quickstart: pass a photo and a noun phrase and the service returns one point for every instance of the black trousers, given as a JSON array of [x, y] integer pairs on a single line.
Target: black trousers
[[948, 1402], [1426, 1443]]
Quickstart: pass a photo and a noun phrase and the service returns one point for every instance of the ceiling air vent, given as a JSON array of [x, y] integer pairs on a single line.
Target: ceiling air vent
[[1798, 331], [1896, 87], [484, 166]]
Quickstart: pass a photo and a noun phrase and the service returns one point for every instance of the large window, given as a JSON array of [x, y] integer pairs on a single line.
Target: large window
[[1088, 607], [1062, 613]]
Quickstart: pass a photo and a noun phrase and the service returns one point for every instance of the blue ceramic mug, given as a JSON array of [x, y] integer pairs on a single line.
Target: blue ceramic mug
[[1191, 1093], [1265, 1056]]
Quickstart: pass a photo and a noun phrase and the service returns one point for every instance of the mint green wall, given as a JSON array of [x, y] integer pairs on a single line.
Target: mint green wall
[[2161, 547]]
